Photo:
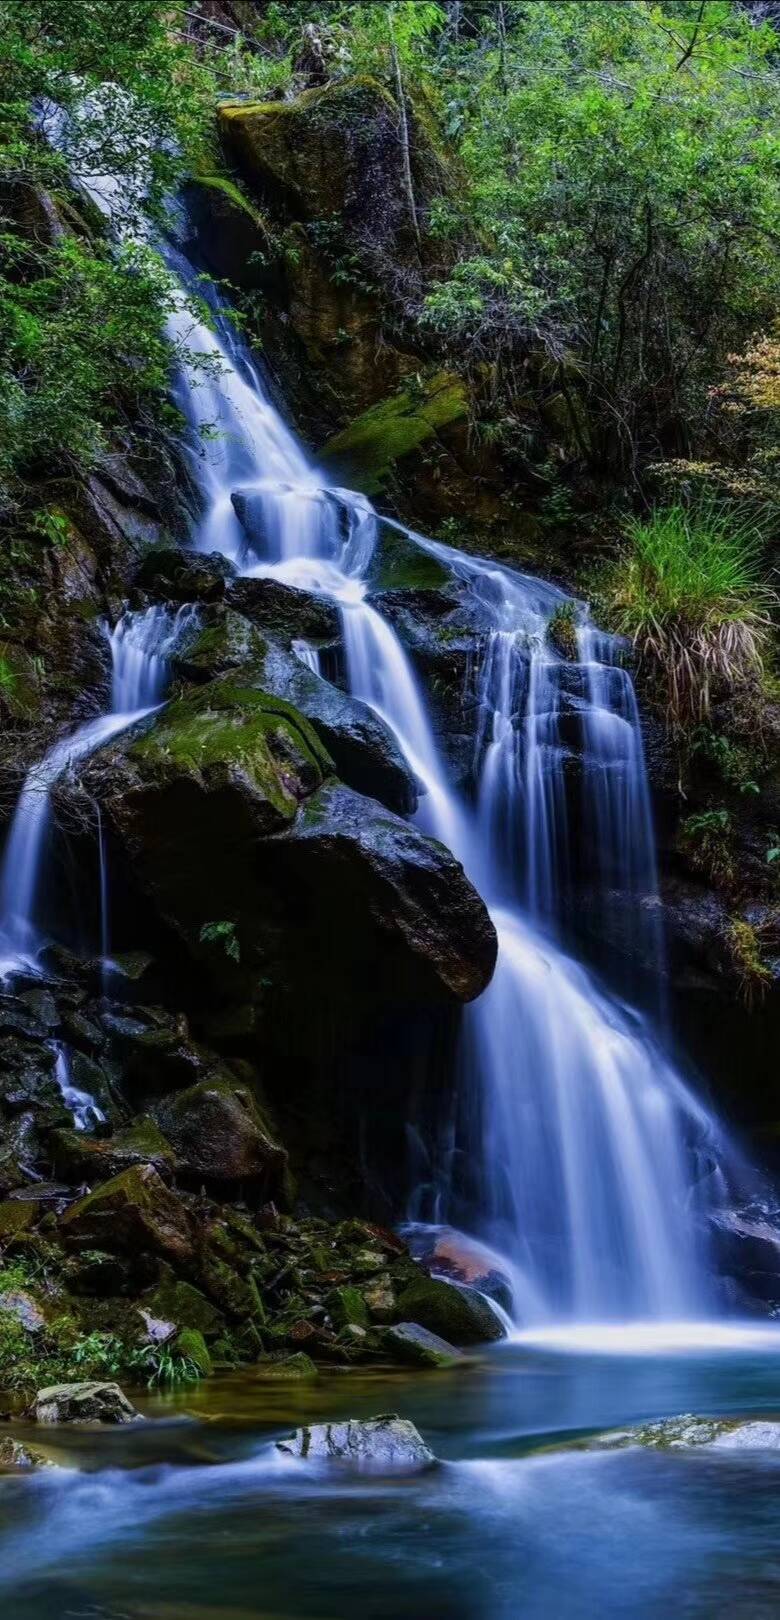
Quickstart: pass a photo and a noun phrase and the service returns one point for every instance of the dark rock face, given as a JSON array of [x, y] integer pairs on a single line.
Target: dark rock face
[[177, 575], [285, 611]]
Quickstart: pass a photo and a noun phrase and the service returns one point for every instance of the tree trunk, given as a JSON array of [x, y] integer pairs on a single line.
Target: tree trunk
[[405, 154]]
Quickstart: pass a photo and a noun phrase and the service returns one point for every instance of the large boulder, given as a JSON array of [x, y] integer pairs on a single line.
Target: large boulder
[[85, 1402], [134, 1213], [219, 1134], [290, 888], [457, 1315], [387, 1444], [284, 610], [185, 576]]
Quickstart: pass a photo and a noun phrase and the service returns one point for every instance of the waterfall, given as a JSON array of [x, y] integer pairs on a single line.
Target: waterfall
[[573, 1144], [139, 644]]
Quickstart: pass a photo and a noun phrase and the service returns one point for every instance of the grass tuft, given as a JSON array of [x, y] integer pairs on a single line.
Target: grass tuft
[[688, 592]]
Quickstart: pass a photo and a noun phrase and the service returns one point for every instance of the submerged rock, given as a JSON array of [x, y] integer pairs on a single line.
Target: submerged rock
[[85, 1402], [387, 1444]]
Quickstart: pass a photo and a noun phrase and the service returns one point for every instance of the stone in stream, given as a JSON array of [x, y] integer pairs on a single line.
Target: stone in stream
[[85, 1402], [409, 1342], [458, 1315], [385, 1444], [13, 1454], [681, 1433]]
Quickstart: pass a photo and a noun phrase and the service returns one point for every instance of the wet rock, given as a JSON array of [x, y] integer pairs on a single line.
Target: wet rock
[[416, 1347], [363, 749], [364, 454], [133, 1213], [285, 611], [227, 641], [681, 1433], [225, 811], [21, 1306], [457, 1315], [219, 1134], [14, 1454], [85, 1402], [750, 1437], [387, 1444], [185, 576], [87, 1158]]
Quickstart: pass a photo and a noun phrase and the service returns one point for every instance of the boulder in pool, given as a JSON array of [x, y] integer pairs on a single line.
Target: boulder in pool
[[386, 1444], [457, 1315], [85, 1402]]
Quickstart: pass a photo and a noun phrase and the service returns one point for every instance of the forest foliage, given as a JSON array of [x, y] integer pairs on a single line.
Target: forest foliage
[[617, 204]]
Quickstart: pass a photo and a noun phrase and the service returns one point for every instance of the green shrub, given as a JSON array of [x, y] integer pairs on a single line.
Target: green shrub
[[687, 590]]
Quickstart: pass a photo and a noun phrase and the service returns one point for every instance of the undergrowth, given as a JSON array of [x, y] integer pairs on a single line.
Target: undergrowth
[[688, 592]]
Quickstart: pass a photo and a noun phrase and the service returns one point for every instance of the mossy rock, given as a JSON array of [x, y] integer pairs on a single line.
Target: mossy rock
[[232, 727], [346, 1307], [133, 1213], [191, 1345], [400, 565], [294, 1367], [230, 642], [364, 454], [179, 1302], [453, 1314], [77, 1156], [220, 1134], [17, 1218]]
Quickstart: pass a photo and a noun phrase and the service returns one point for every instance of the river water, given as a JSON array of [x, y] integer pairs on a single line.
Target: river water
[[195, 1517]]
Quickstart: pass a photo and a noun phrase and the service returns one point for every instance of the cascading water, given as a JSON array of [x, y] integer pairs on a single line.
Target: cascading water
[[572, 1142], [138, 643]]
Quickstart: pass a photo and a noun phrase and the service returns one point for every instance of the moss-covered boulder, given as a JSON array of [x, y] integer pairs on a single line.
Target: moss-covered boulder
[[78, 1157], [134, 1213], [363, 455], [293, 891], [455, 1314], [220, 1135], [226, 641]]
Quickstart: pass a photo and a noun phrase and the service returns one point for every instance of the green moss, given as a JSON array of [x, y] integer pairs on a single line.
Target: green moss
[[236, 726], [233, 193], [367, 450], [346, 1306], [399, 564], [190, 1345]]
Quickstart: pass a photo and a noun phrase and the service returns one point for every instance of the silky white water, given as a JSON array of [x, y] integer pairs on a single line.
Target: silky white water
[[572, 1145]]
